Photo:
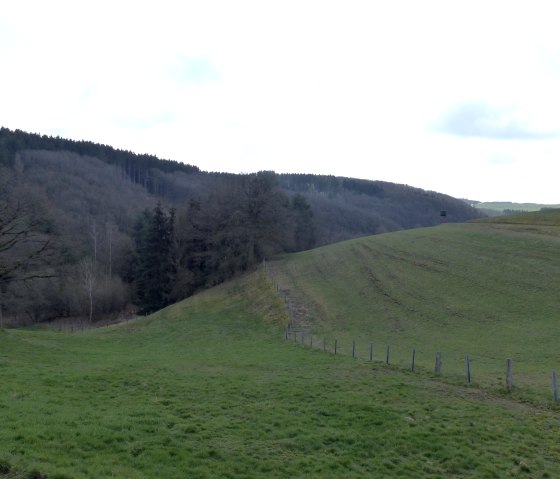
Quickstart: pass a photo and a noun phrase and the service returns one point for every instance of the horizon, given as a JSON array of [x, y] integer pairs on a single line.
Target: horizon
[[470, 200], [443, 97]]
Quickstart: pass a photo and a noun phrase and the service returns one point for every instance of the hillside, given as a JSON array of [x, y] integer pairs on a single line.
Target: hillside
[[208, 388], [508, 208], [545, 217], [487, 289], [343, 208], [86, 217]]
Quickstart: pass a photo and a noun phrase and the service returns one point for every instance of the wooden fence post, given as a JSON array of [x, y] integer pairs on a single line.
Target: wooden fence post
[[371, 351], [438, 363], [388, 353], [324, 344], [413, 357], [311, 342], [468, 361], [335, 343], [302, 338], [354, 349], [554, 386], [509, 374]]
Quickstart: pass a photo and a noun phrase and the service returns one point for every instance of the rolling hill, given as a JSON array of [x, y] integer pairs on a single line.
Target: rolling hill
[[209, 387], [343, 207], [488, 289], [508, 208]]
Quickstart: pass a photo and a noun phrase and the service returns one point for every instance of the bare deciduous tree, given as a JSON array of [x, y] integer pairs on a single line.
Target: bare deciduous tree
[[88, 281], [22, 243]]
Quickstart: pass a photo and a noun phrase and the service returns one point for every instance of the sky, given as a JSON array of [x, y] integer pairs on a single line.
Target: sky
[[459, 97]]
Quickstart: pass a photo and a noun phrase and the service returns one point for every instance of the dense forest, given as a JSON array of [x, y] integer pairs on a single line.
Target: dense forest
[[90, 231]]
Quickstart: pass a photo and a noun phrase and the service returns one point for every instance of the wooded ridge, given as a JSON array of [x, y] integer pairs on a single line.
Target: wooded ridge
[[87, 230]]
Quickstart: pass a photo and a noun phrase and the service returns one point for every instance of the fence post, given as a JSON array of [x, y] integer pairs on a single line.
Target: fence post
[[302, 338], [554, 386], [413, 358], [438, 363], [311, 342], [335, 342], [388, 353], [468, 361], [354, 349], [324, 344], [371, 351], [509, 374], [286, 333]]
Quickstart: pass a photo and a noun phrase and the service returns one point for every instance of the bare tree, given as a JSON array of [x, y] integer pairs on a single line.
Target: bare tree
[[23, 245], [94, 235], [110, 229], [88, 282]]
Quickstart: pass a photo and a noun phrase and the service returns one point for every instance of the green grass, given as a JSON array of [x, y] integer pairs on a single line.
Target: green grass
[[208, 388], [489, 290], [205, 390], [550, 217]]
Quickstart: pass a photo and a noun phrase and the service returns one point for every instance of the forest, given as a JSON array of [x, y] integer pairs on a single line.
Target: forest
[[92, 232]]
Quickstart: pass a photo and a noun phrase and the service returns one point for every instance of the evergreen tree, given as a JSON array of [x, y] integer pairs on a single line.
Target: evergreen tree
[[154, 270]]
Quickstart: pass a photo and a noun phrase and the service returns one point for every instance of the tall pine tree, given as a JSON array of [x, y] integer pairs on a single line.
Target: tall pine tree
[[154, 271]]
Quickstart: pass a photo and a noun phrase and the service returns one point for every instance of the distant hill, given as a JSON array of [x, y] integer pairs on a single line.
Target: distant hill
[[544, 217], [95, 207], [343, 208], [509, 208], [346, 208]]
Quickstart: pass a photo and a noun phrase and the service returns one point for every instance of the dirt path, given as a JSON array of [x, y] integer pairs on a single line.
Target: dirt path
[[300, 313]]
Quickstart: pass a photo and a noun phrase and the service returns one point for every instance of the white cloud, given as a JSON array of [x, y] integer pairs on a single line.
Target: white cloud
[[350, 88], [478, 119]]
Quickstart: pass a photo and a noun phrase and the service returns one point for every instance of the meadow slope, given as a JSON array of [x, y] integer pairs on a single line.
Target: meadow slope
[[487, 289], [209, 388]]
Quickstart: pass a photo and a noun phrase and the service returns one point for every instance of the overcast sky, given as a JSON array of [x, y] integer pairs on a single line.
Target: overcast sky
[[461, 97]]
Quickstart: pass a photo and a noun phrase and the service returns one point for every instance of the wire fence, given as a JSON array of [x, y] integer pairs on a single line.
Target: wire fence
[[478, 369]]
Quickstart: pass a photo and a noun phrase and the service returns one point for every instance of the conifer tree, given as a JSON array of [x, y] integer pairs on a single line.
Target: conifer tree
[[154, 271]]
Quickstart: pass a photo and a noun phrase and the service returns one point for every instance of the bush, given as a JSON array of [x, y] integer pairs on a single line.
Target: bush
[[4, 466], [35, 474]]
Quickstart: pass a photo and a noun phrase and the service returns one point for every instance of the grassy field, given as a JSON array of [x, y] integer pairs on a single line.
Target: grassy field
[[208, 388], [489, 290], [550, 217]]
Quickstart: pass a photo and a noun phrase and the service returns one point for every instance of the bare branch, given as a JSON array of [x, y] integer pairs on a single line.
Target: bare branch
[[22, 244]]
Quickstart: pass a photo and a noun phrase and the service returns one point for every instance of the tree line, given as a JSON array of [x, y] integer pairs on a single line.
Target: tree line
[[89, 231], [143, 169], [213, 239], [95, 265]]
